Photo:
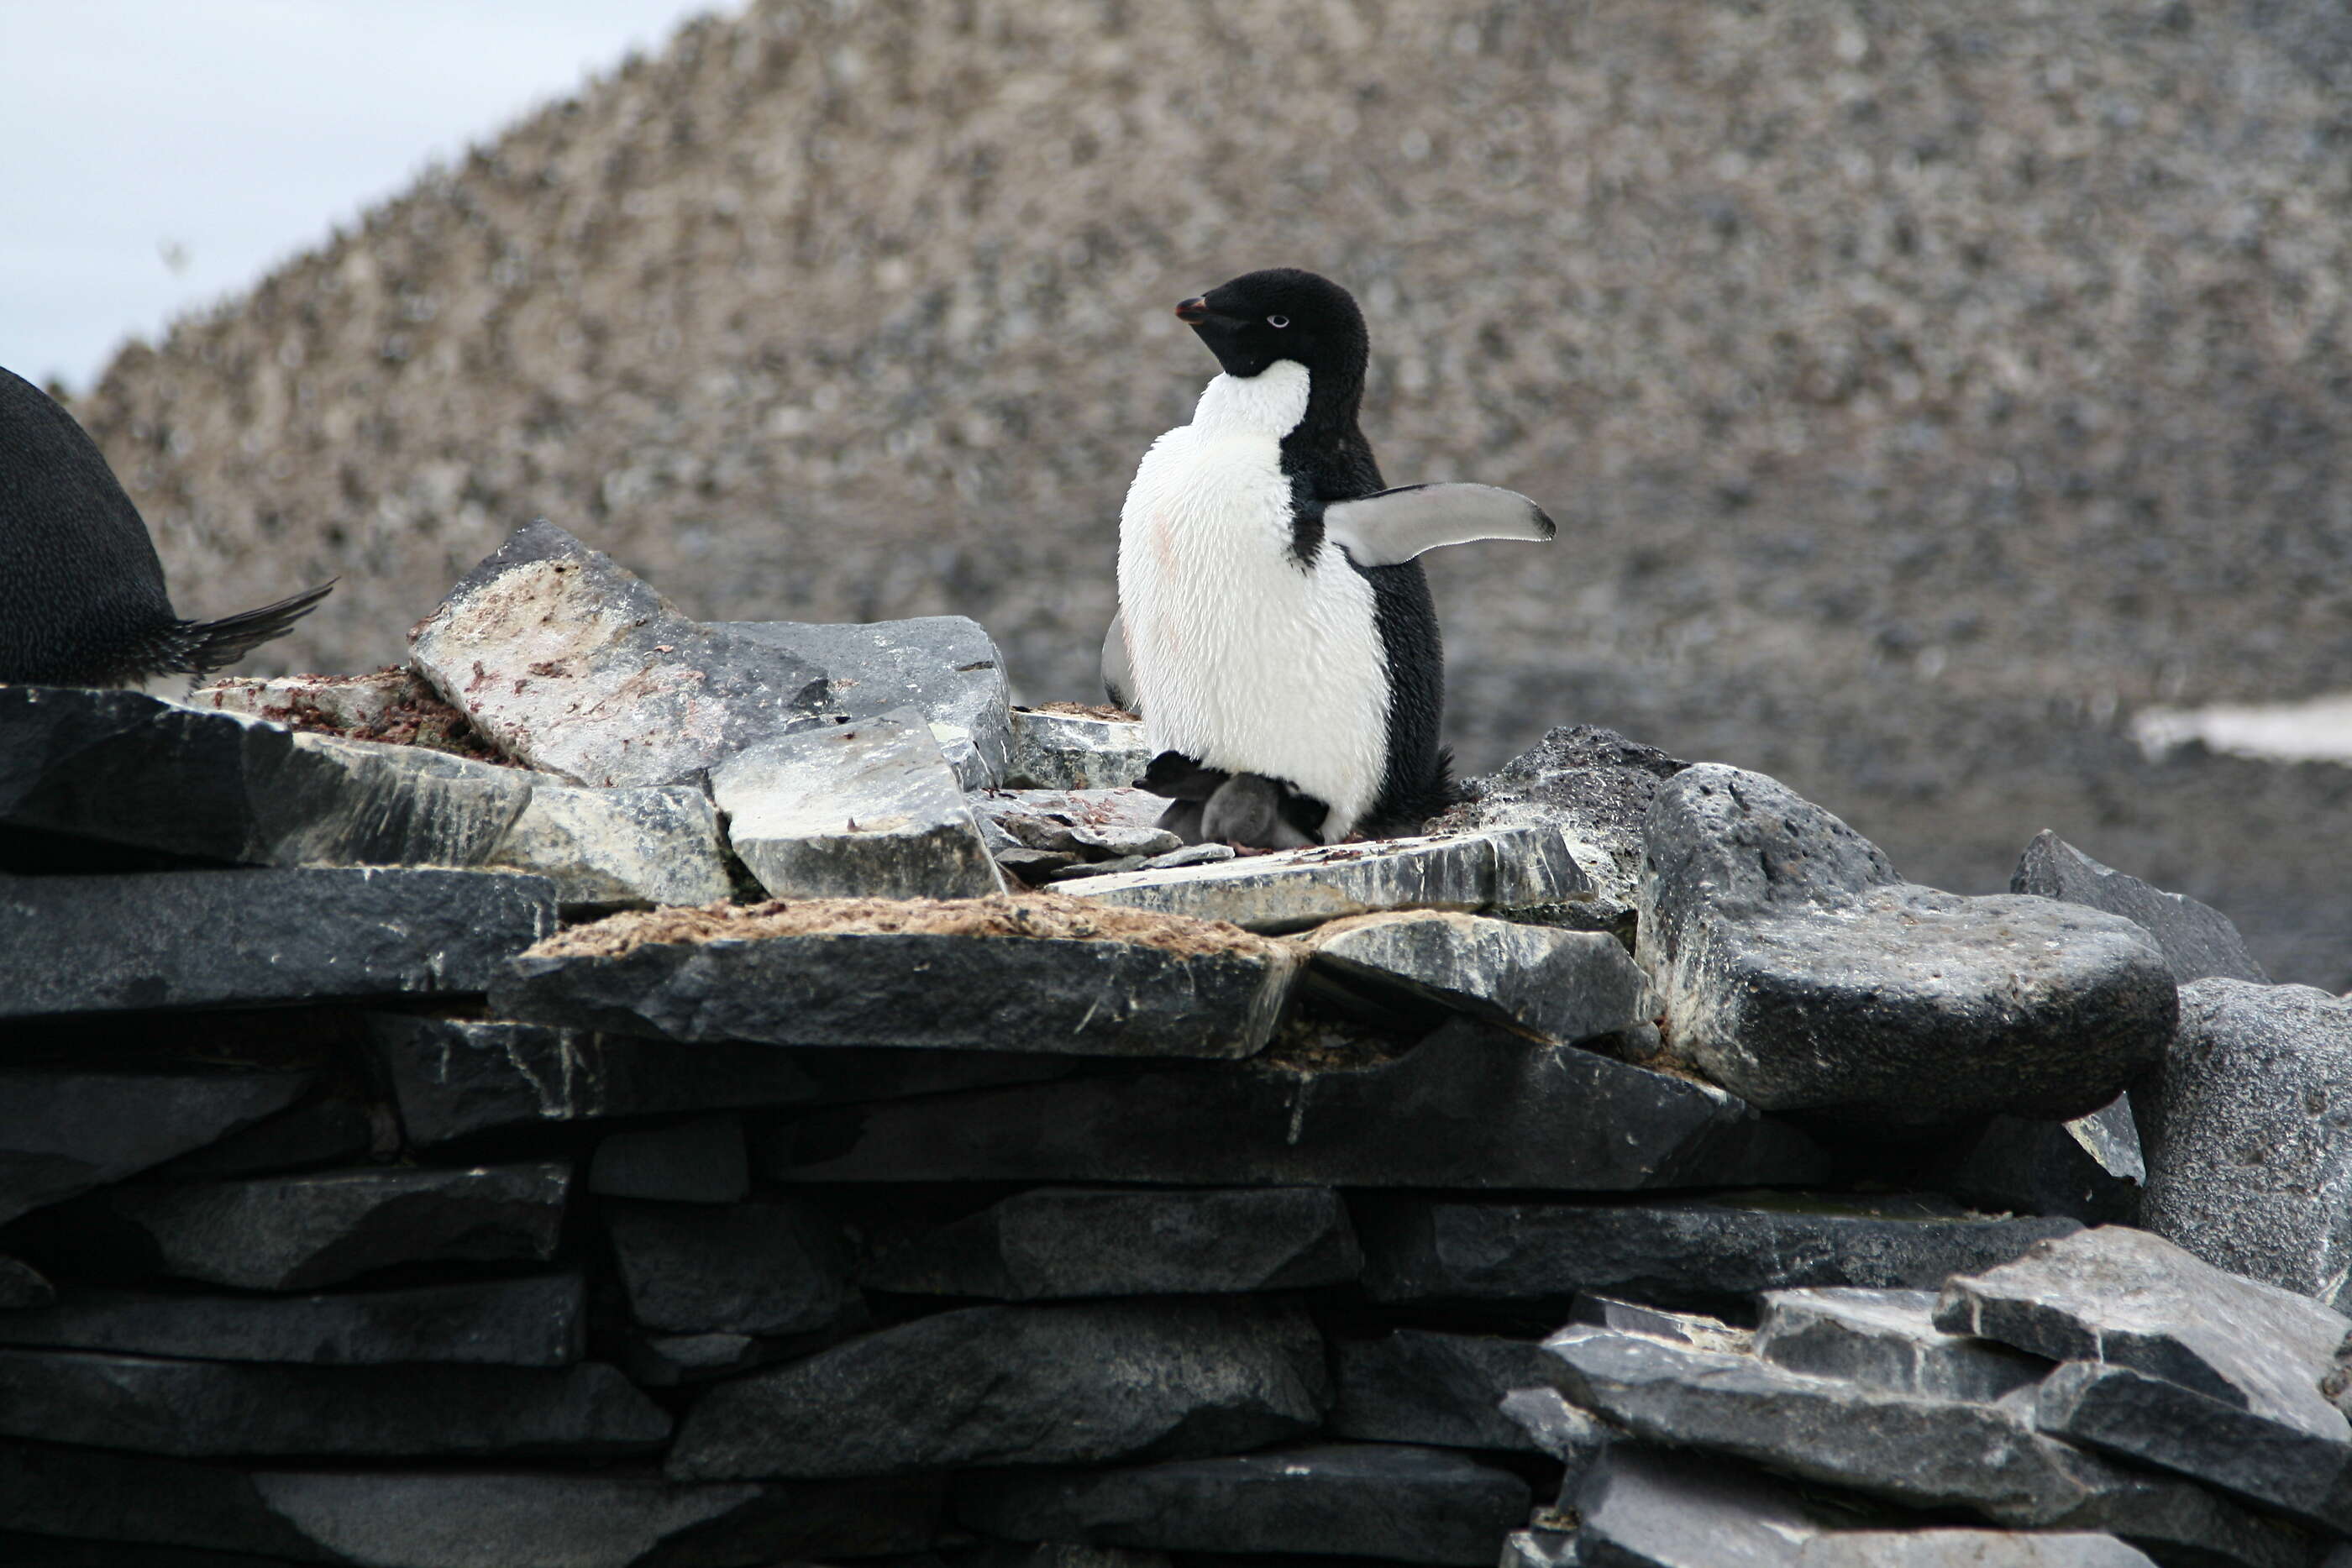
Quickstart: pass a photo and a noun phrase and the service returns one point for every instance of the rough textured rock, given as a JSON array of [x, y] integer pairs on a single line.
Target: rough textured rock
[[695, 1162], [1402, 1504], [65, 1132], [1700, 1329], [1555, 1427], [1076, 1242], [1419, 1248], [341, 1128], [1468, 1107], [569, 662], [2249, 1158], [1076, 1384], [753, 1268], [474, 1519], [2090, 1168], [2155, 1421], [1412, 1385], [1889, 1339], [2126, 1297], [1594, 785], [2197, 940], [618, 848], [202, 938], [290, 1233], [1064, 751], [346, 702], [1563, 986], [1080, 995], [1294, 889], [945, 667], [1799, 971], [536, 1322], [192, 1408], [864, 808]]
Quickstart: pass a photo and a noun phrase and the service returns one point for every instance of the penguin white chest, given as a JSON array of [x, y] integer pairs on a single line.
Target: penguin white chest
[[1243, 657]]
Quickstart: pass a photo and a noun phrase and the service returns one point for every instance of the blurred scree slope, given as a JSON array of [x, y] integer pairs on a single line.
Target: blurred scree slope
[[1922, 390]]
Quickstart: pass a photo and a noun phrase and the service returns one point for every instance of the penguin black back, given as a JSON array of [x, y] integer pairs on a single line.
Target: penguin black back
[[82, 601]]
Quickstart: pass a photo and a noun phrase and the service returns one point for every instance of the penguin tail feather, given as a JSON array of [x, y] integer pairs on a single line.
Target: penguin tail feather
[[200, 647]]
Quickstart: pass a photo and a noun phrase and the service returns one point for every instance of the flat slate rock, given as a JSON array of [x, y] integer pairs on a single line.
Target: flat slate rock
[[619, 848], [702, 1160], [946, 667], [23, 1286], [470, 1519], [292, 1233], [1404, 1504], [1077, 1241], [1887, 1339], [1294, 889], [1800, 972], [2197, 939], [339, 1128], [1087, 1383], [1412, 1385], [2126, 1297], [1420, 1249], [1552, 1425], [1081, 997], [748, 1269], [574, 665], [197, 1408], [1468, 1107], [2090, 1168], [62, 1134], [212, 938], [867, 808], [2249, 1147], [1066, 751], [1595, 784], [535, 1322], [1563, 986]]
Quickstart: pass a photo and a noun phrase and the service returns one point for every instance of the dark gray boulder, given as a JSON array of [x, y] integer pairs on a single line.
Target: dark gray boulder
[[1414, 1386], [207, 938], [1067, 1384], [748, 1268], [341, 1128], [2248, 1144], [535, 1322], [1889, 1339], [1076, 1242], [1800, 972], [1399, 1503], [701, 1161], [1563, 986], [65, 1132], [2197, 939], [1677, 1250], [2090, 1168], [291, 1233], [1470, 1106]]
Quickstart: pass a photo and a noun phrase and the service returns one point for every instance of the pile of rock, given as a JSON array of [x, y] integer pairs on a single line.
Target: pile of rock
[[694, 1139]]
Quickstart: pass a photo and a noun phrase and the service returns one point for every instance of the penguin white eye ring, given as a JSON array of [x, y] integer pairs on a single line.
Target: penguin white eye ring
[[1277, 322]]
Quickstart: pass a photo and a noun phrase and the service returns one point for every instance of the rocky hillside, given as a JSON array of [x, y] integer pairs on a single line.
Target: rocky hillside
[[1921, 388]]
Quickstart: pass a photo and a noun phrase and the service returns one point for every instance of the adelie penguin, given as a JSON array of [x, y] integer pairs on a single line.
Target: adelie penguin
[[82, 602], [1274, 629]]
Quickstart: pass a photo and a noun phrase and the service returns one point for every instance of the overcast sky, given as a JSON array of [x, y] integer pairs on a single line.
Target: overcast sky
[[158, 155]]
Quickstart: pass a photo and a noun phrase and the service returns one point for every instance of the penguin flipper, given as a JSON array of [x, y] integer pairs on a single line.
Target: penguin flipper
[[1118, 678], [1395, 525]]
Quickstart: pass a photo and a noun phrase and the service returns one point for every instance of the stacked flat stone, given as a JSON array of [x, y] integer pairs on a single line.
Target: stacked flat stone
[[752, 1171]]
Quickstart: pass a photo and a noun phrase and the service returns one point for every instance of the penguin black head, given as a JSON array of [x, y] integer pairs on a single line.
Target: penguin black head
[[1282, 313]]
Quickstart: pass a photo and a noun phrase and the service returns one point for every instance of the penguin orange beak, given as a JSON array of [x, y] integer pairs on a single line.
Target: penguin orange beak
[[1192, 311]]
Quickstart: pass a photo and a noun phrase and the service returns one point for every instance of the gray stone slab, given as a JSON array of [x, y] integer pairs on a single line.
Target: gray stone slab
[[1594, 785], [347, 702], [1096, 996], [336, 1130], [1074, 1242], [196, 1408], [865, 809], [1081, 1382], [291, 1233], [748, 1269], [536, 1322], [1468, 1107], [65, 1132], [2134, 1299], [1699, 1329], [619, 848], [1564, 986], [1554, 1426], [22, 1285], [1414, 1386], [1800, 972], [1295, 888], [2249, 1147], [703, 1161], [1404, 1504], [207, 938], [946, 667], [572, 663], [1887, 1339], [1420, 1249], [1065, 751], [2197, 939], [1540, 1548], [2089, 1169]]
